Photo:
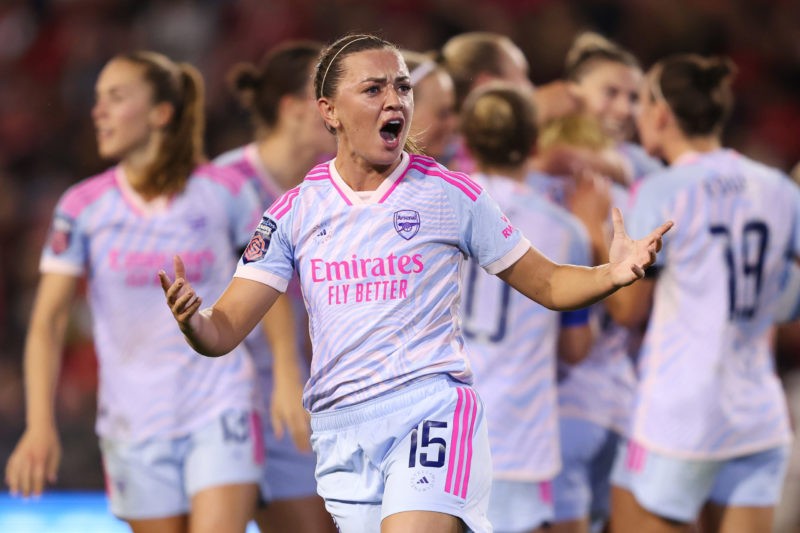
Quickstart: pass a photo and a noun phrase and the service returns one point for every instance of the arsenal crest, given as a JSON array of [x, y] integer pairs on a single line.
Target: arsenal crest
[[406, 223]]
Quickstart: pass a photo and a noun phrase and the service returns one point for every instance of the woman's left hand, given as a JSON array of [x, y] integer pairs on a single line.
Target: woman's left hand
[[630, 258]]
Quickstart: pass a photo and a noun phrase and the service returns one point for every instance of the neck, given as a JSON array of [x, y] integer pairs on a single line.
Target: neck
[[516, 173], [683, 145], [361, 175], [137, 164], [285, 160]]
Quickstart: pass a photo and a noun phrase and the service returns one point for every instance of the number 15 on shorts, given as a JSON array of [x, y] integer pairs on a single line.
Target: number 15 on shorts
[[428, 449]]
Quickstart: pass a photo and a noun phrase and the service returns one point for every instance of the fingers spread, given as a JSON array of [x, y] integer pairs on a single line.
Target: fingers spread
[[180, 270], [165, 281], [37, 479], [52, 467], [619, 223], [662, 229], [24, 478], [190, 309]]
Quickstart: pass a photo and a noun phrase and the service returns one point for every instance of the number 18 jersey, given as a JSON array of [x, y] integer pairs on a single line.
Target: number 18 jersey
[[707, 384]]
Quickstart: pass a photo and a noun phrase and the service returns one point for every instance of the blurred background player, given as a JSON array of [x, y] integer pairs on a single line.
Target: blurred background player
[[513, 342], [178, 432], [710, 426], [435, 121], [606, 78], [476, 58], [595, 394], [290, 138]]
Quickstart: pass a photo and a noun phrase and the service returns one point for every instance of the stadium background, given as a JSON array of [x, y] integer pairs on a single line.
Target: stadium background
[[52, 50]]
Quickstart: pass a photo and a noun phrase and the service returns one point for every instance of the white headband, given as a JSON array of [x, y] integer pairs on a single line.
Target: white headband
[[421, 70], [325, 76]]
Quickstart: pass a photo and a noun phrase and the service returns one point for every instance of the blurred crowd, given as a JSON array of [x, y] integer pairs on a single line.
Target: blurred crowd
[[51, 52]]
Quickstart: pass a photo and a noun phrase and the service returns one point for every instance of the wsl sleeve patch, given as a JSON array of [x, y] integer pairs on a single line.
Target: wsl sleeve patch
[[60, 234], [257, 248]]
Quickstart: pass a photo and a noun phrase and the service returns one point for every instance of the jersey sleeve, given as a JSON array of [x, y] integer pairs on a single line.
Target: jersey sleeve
[[66, 250], [269, 256], [245, 214], [486, 234]]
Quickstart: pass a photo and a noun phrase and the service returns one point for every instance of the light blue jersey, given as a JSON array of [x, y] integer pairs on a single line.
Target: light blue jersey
[[512, 340], [151, 383], [708, 389], [599, 389], [381, 275], [641, 163], [246, 161], [288, 472]]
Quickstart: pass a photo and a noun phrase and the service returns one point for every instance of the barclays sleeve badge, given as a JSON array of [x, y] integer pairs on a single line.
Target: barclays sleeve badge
[[406, 223]]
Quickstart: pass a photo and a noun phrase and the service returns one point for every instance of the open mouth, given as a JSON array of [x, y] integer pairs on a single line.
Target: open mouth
[[390, 131]]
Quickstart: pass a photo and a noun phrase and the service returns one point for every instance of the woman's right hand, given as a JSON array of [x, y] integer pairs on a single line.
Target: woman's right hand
[[181, 298], [34, 461]]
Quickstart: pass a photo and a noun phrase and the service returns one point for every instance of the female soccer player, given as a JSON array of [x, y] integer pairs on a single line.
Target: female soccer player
[[378, 237], [606, 77], [290, 138], [710, 424], [512, 341], [435, 117], [176, 430]]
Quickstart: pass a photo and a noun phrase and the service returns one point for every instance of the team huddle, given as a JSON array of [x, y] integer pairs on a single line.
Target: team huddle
[[504, 308]]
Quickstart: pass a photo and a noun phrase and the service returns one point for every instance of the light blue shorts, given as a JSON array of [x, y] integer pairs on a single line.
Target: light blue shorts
[[583, 487], [678, 488], [424, 447], [288, 472], [518, 506], [157, 478]]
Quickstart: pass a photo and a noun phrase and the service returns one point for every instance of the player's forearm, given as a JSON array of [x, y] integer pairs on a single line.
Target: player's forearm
[[42, 365], [206, 333], [574, 287]]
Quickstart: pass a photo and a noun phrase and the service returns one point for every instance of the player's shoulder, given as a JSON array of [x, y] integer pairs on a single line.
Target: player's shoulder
[[230, 156], [664, 183], [453, 183], [229, 178], [557, 217], [86, 192], [235, 158], [771, 174]]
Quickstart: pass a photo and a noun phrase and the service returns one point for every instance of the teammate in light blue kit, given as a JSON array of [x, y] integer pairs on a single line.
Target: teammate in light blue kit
[[290, 139], [513, 342], [595, 395], [710, 425], [607, 79], [178, 433], [378, 237]]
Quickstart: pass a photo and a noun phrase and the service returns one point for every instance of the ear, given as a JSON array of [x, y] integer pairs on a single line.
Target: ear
[[161, 114], [328, 112], [664, 116]]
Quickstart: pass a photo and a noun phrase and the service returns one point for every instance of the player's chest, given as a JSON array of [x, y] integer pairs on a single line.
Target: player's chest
[[374, 228]]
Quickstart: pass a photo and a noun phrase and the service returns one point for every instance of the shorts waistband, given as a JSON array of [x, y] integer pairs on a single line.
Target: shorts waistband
[[383, 405]]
